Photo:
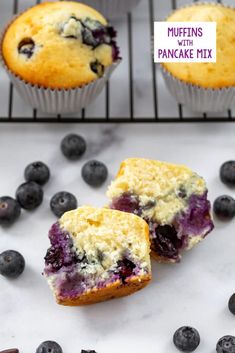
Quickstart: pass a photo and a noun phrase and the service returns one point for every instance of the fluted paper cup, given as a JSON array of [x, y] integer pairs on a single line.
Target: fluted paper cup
[[197, 98], [112, 8], [57, 101]]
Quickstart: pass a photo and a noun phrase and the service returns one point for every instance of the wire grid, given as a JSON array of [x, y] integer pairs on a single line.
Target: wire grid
[[145, 97]]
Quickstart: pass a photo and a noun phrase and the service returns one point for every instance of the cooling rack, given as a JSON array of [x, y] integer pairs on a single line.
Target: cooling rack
[[136, 91]]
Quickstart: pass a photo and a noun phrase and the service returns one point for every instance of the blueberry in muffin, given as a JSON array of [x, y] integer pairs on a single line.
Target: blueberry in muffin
[[172, 199], [96, 255]]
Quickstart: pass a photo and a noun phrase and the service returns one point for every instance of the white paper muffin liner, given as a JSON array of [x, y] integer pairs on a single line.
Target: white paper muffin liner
[[56, 101], [196, 98], [112, 8]]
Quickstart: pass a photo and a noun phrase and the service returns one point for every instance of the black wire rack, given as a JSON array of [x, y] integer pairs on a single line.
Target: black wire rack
[[160, 97]]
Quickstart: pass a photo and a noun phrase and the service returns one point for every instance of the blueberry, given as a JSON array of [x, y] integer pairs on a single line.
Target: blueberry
[[11, 350], [29, 195], [97, 68], [186, 339], [125, 269], [38, 172], [63, 202], [49, 347], [166, 242], [26, 47], [73, 146], [10, 210], [94, 173], [227, 173], [85, 351], [226, 344], [231, 304], [224, 207], [12, 264]]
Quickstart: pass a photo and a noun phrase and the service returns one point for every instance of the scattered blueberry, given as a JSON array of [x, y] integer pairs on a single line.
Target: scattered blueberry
[[63, 202], [12, 264], [186, 339], [49, 347], [73, 146], [227, 173], [224, 207], [226, 344], [26, 47], [11, 350], [29, 195], [94, 173], [85, 351], [231, 304], [9, 210], [38, 172]]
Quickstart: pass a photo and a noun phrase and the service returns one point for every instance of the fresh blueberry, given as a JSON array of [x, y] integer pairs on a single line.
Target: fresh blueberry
[[12, 264], [224, 207], [49, 347], [227, 173], [231, 304], [11, 350], [63, 202], [73, 146], [9, 210], [85, 351], [94, 173], [29, 195], [38, 172], [186, 339], [226, 344], [26, 47]]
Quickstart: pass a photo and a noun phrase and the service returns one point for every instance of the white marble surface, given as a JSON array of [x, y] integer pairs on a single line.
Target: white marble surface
[[194, 292]]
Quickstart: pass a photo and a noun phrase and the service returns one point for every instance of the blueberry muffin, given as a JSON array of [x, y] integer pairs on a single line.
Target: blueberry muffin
[[172, 199], [112, 8], [205, 87], [60, 45], [96, 255], [209, 75]]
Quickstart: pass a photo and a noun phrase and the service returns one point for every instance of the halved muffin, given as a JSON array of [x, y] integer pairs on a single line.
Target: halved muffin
[[172, 199], [96, 255]]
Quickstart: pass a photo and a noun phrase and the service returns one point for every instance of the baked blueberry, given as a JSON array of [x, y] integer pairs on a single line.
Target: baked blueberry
[[12, 264], [49, 347], [186, 339], [38, 172], [231, 304], [26, 47], [73, 146], [97, 68], [94, 173], [125, 269], [10, 210], [226, 344], [227, 173], [166, 241], [29, 195], [63, 202], [224, 207]]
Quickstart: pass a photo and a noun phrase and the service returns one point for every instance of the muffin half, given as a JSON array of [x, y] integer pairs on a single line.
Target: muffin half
[[172, 199], [96, 255]]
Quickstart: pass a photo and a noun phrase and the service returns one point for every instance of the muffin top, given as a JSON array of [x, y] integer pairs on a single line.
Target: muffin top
[[59, 45], [209, 75]]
